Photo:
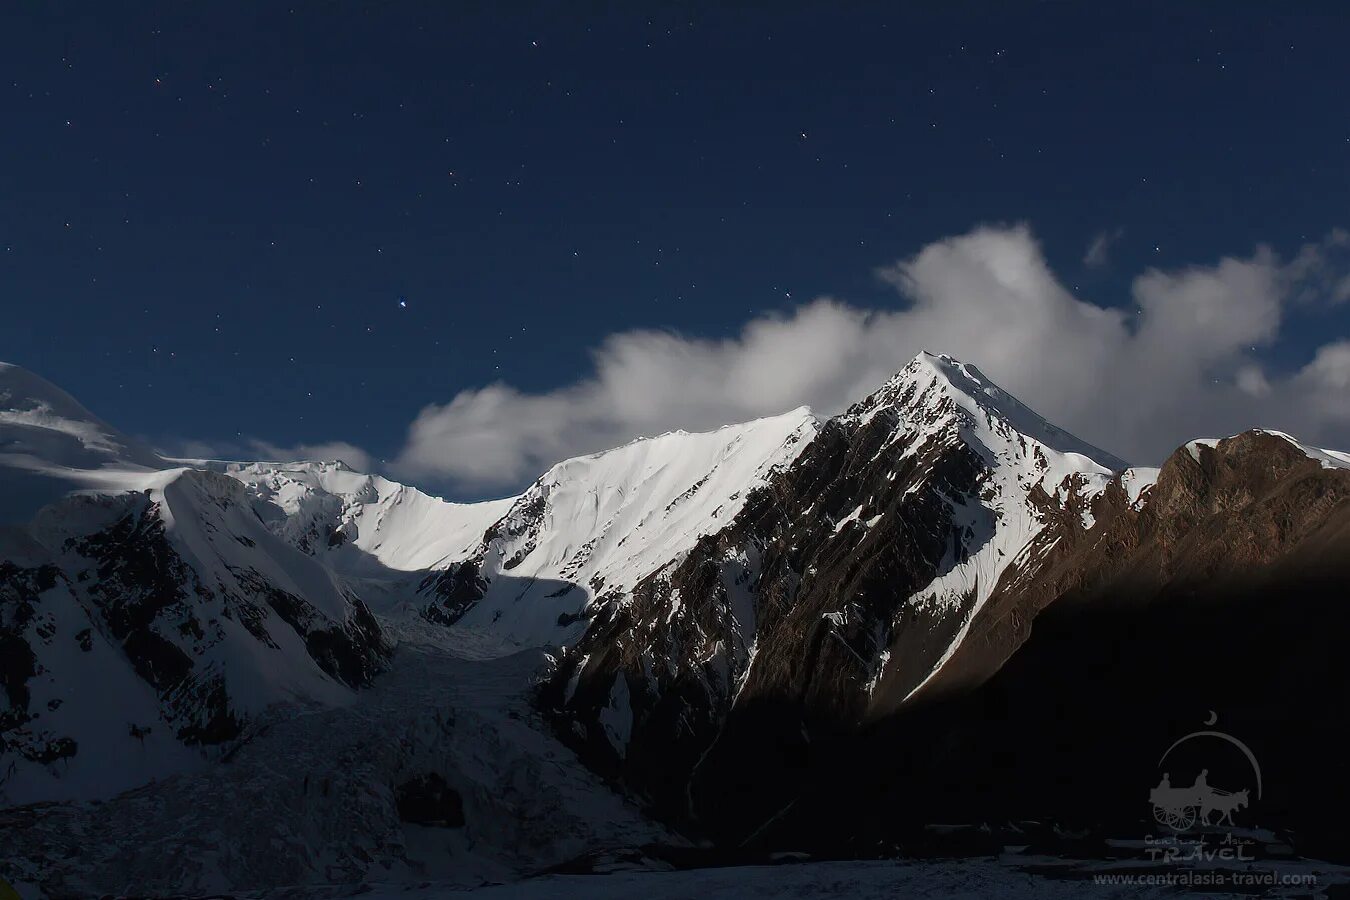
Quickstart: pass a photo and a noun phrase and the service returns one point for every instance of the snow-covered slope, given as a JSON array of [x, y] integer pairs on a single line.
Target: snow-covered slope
[[313, 803], [595, 526], [40, 421], [142, 624], [147, 615]]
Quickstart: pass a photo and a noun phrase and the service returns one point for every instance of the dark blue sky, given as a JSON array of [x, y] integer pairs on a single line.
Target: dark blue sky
[[210, 215]]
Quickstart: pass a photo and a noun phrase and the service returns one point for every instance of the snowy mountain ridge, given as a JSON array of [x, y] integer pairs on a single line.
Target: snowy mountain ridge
[[592, 527], [363, 525], [202, 594], [712, 604]]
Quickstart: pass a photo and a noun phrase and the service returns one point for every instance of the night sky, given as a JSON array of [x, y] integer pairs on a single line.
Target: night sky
[[246, 222]]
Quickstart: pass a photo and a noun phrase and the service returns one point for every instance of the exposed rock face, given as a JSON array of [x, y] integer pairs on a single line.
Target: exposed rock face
[[1221, 592], [842, 586], [947, 606], [1221, 518], [18, 591]]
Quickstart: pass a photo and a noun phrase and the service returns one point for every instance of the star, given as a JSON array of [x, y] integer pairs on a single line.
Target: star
[[402, 303]]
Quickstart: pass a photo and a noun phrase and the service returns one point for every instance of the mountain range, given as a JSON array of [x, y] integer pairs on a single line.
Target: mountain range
[[796, 632]]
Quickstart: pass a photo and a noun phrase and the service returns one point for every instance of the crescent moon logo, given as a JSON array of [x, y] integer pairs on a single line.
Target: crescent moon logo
[[1213, 717]]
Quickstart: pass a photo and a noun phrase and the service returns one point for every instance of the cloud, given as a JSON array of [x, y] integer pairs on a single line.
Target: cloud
[[1324, 386], [1098, 252], [1182, 362], [1320, 269], [645, 382]]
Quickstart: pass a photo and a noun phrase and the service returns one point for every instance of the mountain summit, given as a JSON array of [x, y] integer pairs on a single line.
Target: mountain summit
[[844, 585], [941, 388]]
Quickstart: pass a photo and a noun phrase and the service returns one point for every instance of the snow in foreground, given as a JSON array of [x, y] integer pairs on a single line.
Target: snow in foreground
[[858, 880], [308, 799], [1011, 875]]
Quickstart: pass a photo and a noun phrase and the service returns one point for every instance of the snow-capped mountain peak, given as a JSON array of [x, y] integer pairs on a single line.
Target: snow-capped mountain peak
[[935, 390], [1031, 471], [877, 546]]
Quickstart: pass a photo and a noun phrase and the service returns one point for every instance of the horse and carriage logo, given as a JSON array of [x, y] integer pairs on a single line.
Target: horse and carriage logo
[[1182, 807]]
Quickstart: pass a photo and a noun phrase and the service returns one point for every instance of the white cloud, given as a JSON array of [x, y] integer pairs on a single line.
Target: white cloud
[[1329, 370], [1181, 363], [645, 382], [1323, 387], [1098, 252], [1251, 380]]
